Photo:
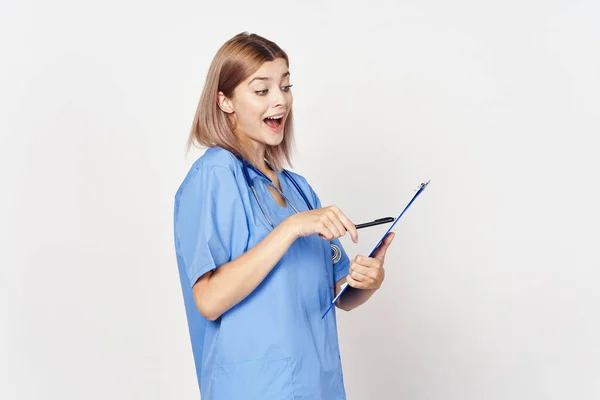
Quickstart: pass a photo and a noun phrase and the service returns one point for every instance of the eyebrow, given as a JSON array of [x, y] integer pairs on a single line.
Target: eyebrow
[[265, 78]]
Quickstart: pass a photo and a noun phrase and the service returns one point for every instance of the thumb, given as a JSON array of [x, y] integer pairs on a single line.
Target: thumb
[[385, 244]]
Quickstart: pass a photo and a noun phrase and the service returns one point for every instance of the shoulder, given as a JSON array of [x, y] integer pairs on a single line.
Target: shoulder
[[215, 160], [215, 157], [218, 157]]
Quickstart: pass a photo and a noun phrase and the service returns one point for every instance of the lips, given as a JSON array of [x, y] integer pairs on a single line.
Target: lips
[[274, 123]]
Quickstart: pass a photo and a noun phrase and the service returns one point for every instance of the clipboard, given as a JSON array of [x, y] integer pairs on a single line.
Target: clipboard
[[418, 191]]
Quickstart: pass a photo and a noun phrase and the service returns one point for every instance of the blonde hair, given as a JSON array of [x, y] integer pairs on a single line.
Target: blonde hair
[[235, 61]]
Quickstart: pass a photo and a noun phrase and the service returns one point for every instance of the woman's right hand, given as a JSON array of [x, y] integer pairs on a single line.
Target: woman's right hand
[[329, 222]]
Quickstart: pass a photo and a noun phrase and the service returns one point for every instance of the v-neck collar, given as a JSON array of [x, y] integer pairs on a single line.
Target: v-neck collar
[[278, 174], [268, 181]]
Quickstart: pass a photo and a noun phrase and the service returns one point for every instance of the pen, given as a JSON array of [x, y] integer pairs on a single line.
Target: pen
[[376, 222]]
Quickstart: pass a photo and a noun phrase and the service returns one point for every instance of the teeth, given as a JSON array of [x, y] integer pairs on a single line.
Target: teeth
[[278, 117]]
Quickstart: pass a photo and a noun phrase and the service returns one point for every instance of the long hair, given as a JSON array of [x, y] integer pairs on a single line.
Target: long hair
[[235, 61]]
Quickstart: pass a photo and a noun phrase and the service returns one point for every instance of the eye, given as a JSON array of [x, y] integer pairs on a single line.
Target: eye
[[286, 88], [262, 92]]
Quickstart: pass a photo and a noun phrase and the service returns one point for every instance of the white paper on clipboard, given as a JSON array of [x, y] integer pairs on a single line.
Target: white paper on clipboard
[[418, 191]]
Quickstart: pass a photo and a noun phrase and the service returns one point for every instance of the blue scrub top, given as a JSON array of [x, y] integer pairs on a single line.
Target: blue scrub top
[[273, 344]]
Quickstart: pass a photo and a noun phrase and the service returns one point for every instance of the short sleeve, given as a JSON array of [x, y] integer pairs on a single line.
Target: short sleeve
[[340, 267], [211, 225]]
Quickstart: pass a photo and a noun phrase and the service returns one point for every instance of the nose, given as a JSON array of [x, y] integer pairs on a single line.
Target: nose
[[281, 99]]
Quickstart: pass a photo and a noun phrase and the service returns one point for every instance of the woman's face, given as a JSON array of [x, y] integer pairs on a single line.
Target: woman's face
[[261, 104]]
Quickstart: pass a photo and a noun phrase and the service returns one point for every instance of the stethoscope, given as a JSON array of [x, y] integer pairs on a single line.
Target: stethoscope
[[336, 253], [246, 165]]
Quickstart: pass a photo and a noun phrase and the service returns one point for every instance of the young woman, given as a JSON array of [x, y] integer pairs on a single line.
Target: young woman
[[259, 258]]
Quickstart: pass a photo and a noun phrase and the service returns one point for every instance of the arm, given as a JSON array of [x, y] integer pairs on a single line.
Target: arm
[[211, 237], [219, 290]]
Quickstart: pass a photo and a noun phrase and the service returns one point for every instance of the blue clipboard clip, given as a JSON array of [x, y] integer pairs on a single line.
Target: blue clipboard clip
[[418, 191]]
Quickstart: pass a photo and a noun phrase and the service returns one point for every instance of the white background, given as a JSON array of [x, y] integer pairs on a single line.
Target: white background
[[492, 282]]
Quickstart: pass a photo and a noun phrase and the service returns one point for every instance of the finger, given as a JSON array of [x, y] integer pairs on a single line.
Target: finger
[[324, 231], [362, 273], [358, 277], [354, 283], [369, 262], [350, 227], [368, 272], [338, 224], [326, 219]]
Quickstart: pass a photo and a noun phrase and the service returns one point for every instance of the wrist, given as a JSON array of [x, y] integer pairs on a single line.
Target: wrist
[[289, 227]]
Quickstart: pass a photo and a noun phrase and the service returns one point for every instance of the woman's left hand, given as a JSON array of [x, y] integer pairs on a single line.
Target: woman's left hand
[[367, 272]]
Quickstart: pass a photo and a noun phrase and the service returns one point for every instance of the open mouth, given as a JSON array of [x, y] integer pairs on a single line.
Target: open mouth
[[274, 122]]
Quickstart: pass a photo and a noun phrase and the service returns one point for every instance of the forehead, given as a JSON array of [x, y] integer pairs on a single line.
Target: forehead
[[272, 70]]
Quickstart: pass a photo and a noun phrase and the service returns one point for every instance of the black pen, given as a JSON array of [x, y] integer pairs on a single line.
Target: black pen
[[376, 222]]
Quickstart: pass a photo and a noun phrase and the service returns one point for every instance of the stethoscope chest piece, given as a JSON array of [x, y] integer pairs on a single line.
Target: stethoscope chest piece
[[336, 254]]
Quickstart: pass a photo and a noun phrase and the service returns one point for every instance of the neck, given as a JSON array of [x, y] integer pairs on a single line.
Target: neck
[[257, 153], [258, 158]]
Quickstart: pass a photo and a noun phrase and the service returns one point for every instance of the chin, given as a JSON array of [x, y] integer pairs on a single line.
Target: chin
[[274, 139], [276, 142]]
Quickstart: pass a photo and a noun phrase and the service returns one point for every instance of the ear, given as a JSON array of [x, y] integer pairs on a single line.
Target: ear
[[224, 103]]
